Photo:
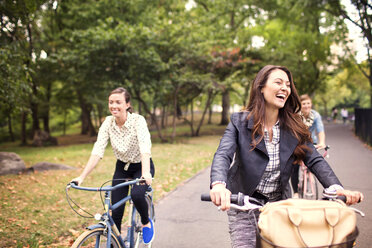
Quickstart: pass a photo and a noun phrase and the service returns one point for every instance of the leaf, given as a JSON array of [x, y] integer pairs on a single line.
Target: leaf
[[74, 232]]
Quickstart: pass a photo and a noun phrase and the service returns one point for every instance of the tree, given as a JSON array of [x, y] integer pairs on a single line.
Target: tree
[[228, 21], [362, 20], [19, 30]]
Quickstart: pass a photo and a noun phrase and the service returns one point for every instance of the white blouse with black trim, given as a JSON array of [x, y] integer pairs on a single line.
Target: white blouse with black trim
[[128, 142]]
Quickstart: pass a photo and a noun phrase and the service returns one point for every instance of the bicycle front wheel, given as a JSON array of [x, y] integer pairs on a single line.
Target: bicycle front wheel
[[138, 242], [95, 238]]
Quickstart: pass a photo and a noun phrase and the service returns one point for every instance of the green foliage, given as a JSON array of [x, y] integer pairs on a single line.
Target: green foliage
[[348, 88], [165, 54]]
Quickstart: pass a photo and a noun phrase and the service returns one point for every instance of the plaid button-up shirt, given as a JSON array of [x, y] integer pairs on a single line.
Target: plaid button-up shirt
[[270, 181]]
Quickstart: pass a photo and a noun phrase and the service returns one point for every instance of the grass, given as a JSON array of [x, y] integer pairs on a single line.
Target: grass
[[34, 210]]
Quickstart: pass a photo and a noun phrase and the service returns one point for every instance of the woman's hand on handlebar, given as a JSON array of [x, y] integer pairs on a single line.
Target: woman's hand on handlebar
[[320, 146], [78, 180], [147, 177], [352, 197], [220, 196]]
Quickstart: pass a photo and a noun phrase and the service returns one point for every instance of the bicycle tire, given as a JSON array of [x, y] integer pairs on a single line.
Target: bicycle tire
[[89, 238], [138, 242]]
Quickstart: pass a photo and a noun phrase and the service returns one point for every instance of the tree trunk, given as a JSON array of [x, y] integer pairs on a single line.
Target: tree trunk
[[64, 121], [191, 123], [148, 111], [192, 115], [46, 123], [86, 121], [210, 114], [23, 128], [35, 117], [100, 114], [139, 104], [179, 110], [11, 134], [225, 108], [164, 115], [175, 112], [210, 107], [154, 112], [208, 103], [46, 115], [34, 97]]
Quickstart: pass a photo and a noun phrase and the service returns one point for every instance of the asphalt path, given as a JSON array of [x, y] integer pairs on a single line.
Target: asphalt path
[[182, 220]]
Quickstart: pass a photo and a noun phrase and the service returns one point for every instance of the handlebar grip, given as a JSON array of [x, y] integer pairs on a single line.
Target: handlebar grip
[[234, 198], [341, 197], [205, 197]]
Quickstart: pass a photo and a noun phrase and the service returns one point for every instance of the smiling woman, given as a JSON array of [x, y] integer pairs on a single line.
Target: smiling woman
[[259, 148], [131, 144]]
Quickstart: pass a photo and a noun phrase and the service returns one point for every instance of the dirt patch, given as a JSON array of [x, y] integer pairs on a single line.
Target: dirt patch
[[75, 139]]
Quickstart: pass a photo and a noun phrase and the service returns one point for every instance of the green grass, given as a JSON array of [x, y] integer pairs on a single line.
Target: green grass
[[34, 211]]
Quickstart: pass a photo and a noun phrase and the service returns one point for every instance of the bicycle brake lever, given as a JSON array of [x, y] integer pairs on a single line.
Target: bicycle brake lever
[[358, 211]]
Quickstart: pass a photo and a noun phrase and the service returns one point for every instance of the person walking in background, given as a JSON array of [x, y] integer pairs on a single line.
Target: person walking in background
[[344, 114], [313, 121], [131, 143], [258, 149], [334, 114]]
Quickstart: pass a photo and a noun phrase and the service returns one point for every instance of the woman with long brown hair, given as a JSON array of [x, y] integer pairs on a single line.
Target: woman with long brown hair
[[259, 148]]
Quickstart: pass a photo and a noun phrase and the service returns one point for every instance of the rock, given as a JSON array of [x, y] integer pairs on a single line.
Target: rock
[[44, 166], [42, 138], [11, 163]]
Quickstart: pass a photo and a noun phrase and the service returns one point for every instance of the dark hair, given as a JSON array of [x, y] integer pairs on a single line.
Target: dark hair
[[289, 117], [126, 94]]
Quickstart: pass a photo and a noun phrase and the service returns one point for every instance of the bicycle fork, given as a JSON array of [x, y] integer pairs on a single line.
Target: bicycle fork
[[107, 220], [130, 232]]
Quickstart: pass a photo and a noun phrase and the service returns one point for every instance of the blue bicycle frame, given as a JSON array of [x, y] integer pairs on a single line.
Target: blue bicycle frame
[[106, 219]]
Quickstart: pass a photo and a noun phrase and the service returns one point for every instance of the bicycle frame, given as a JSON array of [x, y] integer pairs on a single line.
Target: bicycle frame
[[106, 219], [307, 177]]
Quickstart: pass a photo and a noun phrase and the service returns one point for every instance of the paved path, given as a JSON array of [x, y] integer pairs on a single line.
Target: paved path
[[182, 220]]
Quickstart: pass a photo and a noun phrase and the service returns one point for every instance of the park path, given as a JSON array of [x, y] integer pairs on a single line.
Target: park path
[[182, 220]]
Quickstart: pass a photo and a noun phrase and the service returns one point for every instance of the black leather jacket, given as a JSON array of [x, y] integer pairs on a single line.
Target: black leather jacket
[[244, 172]]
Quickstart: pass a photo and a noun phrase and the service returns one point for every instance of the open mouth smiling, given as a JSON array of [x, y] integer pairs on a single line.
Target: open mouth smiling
[[281, 96]]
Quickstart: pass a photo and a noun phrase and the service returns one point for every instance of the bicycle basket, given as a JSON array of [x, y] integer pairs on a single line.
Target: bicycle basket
[[297, 223]]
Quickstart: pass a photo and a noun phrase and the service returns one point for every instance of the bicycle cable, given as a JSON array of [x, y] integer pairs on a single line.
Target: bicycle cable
[[69, 200], [90, 216], [100, 193]]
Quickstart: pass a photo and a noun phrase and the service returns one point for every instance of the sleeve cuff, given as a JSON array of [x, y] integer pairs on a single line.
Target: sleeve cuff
[[336, 187], [218, 182]]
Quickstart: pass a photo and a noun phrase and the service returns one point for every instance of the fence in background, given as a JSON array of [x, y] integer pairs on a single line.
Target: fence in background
[[363, 124]]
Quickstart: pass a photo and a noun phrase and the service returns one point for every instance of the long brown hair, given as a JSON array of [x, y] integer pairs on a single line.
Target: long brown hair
[[126, 94], [289, 117]]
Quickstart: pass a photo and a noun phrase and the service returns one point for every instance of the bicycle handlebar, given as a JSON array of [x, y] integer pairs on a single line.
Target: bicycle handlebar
[[106, 188], [238, 199]]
